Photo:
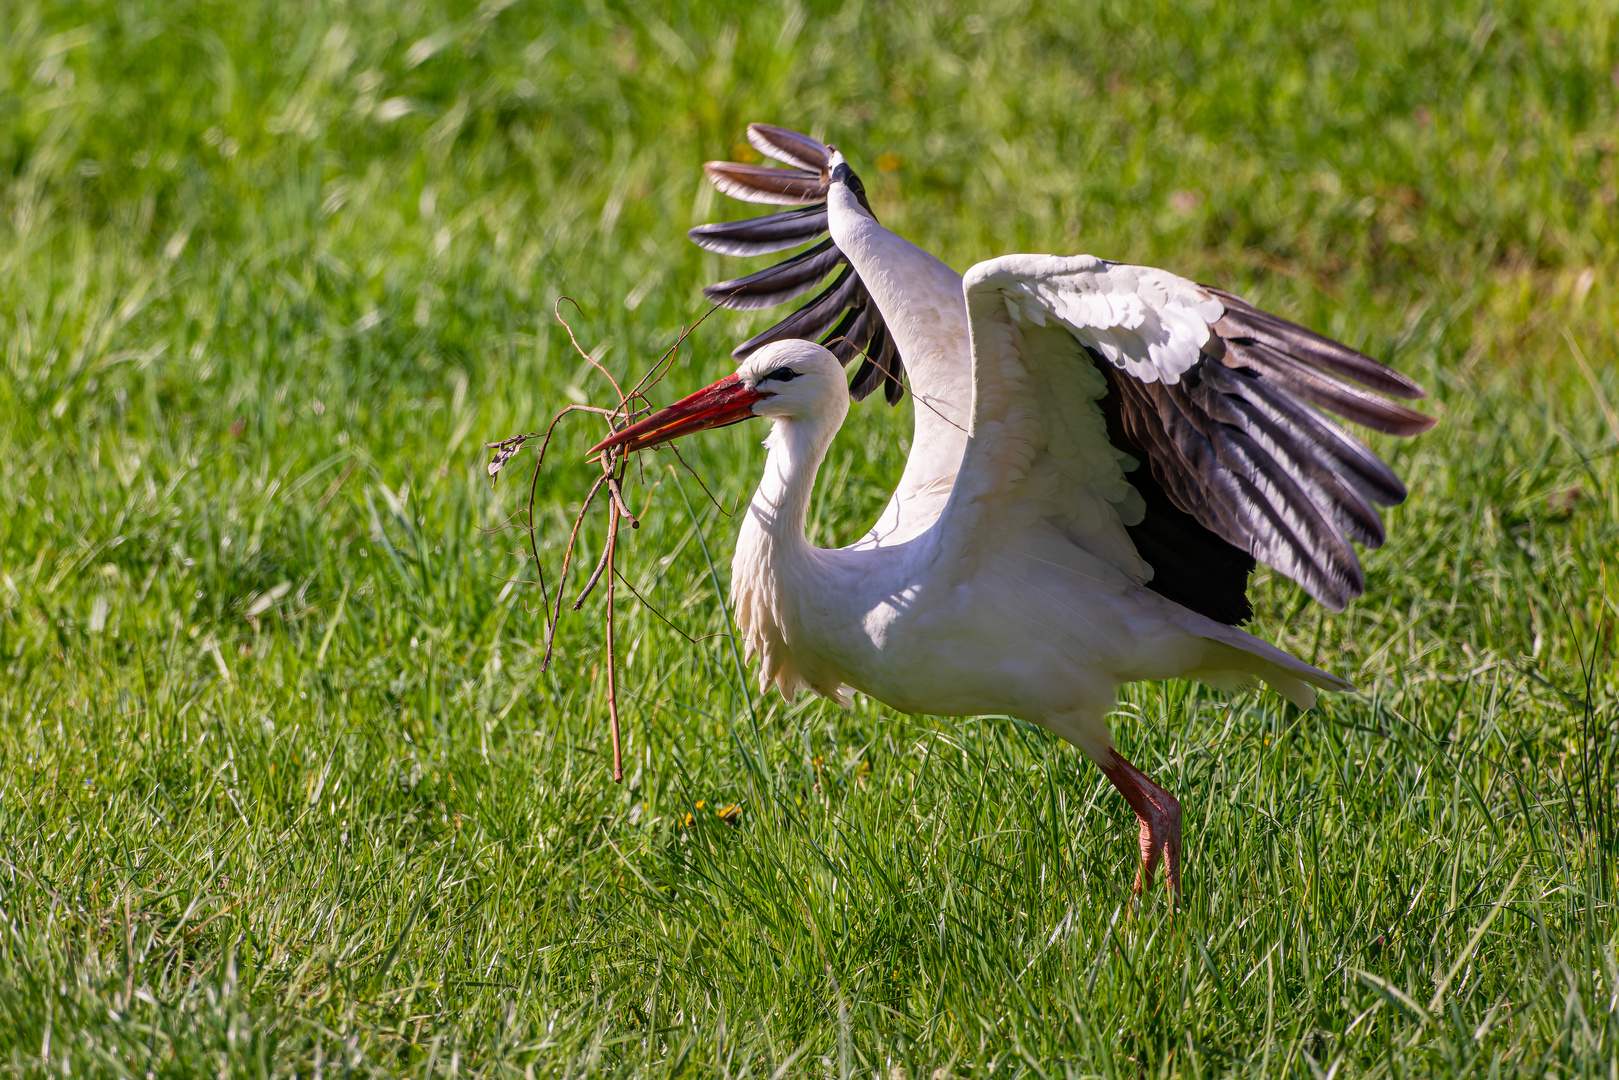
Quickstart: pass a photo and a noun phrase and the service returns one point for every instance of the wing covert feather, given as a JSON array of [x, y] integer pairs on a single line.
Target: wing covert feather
[[1039, 449]]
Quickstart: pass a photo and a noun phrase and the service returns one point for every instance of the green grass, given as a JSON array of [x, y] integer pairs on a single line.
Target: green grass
[[284, 792]]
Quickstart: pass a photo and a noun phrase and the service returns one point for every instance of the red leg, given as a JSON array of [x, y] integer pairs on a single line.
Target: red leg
[[1160, 817]]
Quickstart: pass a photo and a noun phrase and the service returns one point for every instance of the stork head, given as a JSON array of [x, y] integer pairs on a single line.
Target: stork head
[[787, 381]]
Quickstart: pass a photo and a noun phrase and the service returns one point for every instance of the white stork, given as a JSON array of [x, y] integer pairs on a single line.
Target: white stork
[[1101, 453]]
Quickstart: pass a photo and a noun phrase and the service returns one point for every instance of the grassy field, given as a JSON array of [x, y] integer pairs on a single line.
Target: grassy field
[[284, 792]]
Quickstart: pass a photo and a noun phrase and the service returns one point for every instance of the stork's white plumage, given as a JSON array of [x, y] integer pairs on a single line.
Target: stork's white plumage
[[1100, 452]]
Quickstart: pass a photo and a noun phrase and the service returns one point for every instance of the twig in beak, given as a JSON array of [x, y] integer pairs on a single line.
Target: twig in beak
[[595, 576], [612, 678], [614, 463], [567, 557], [618, 498]]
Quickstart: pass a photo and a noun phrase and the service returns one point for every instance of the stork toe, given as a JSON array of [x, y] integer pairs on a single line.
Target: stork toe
[[1160, 839], [1159, 814]]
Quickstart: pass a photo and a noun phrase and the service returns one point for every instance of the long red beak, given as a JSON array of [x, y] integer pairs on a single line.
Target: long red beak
[[728, 401]]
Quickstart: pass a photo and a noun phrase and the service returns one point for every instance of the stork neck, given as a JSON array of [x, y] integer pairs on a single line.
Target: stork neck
[[780, 507]]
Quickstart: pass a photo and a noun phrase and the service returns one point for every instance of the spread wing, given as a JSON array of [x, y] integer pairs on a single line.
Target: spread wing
[[1172, 428], [842, 316]]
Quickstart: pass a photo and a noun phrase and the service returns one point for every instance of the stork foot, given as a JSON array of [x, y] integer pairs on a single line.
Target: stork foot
[[1160, 817]]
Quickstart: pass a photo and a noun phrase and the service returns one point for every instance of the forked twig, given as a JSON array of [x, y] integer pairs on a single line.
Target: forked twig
[[613, 464]]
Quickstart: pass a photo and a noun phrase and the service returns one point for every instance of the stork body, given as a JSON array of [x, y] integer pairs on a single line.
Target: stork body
[[1037, 626], [1101, 451], [984, 610]]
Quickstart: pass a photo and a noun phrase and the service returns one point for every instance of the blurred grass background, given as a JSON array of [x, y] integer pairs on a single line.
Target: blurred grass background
[[283, 791]]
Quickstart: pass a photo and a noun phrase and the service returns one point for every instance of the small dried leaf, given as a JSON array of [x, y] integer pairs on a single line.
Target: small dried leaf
[[1563, 503], [505, 450]]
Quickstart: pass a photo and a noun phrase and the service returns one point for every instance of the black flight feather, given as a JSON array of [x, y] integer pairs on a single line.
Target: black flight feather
[[762, 235], [1240, 464], [814, 318], [843, 317], [1244, 321], [780, 283]]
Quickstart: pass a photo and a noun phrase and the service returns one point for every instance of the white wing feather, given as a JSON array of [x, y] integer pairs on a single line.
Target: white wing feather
[[1145, 321], [1038, 449]]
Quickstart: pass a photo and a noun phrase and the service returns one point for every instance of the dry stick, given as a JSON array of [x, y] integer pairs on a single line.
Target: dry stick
[[617, 510], [648, 605], [618, 499], [596, 575], [612, 683], [567, 556], [717, 504], [556, 309]]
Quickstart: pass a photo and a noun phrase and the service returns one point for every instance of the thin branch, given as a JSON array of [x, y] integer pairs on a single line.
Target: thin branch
[[596, 575], [556, 309], [618, 501], [717, 504], [612, 679], [665, 620], [567, 557]]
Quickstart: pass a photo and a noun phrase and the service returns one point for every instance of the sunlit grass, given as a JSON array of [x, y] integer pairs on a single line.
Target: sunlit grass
[[283, 790]]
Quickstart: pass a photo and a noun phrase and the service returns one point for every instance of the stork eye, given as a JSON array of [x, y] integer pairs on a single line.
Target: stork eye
[[781, 374]]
